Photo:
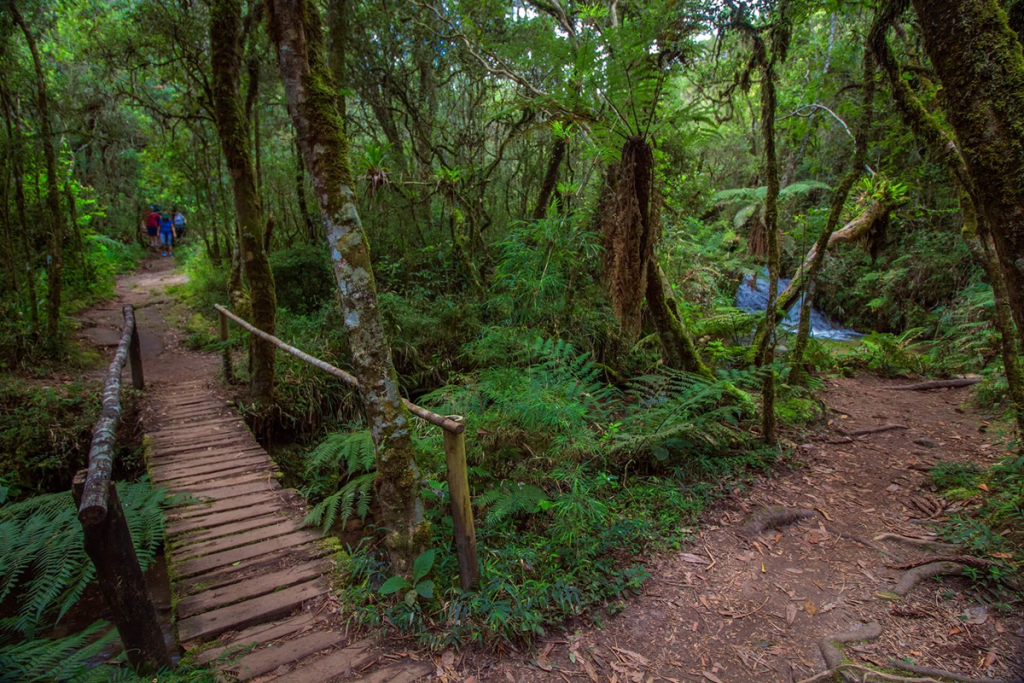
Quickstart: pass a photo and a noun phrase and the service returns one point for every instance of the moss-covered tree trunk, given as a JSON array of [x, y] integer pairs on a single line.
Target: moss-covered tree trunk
[[55, 270], [979, 60], [547, 188], [232, 128], [835, 212], [677, 349], [766, 356], [312, 102]]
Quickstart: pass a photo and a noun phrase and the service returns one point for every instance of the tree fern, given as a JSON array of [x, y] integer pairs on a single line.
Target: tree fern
[[42, 555]]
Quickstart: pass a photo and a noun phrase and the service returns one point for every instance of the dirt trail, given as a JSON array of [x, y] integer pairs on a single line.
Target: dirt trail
[[164, 359], [731, 610]]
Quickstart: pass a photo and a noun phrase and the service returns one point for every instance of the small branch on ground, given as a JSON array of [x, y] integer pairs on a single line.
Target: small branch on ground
[[938, 384], [772, 518]]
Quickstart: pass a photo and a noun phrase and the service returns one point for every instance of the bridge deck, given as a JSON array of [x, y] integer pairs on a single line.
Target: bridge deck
[[244, 571]]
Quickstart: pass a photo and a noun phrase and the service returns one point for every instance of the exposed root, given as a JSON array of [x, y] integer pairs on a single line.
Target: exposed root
[[949, 675], [924, 543], [965, 560], [834, 659], [925, 571], [856, 539], [772, 518], [939, 384], [874, 430], [876, 675]]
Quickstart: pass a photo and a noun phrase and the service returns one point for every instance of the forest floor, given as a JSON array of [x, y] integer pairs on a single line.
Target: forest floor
[[731, 608]]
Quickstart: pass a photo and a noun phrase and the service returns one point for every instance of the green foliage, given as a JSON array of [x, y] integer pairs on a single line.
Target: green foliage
[[340, 471], [303, 277], [418, 588], [42, 561], [65, 659]]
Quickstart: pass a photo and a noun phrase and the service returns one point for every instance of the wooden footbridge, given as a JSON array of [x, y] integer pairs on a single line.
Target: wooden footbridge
[[250, 584]]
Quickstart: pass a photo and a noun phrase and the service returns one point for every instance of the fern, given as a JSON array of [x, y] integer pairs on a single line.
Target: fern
[[62, 659], [42, 555], [510, 499], [341, 469]]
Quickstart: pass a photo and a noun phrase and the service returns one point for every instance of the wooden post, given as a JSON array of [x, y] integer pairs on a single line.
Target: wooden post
[[224, 336], [462, 510], [108, 543], [134, 349]]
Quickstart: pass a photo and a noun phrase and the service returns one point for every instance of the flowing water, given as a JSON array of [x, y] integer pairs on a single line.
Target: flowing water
[[752, 296]]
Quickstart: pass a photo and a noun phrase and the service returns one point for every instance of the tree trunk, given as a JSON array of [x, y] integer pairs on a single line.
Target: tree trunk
[[547, 188], [779, 38], [810, 271], [300, 197], [17, 170], [298, 32], [677, 348], [55, 274], [979, 60], [226, 59]]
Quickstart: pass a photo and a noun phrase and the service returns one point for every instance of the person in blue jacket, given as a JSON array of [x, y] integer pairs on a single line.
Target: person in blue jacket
[[167, 235]]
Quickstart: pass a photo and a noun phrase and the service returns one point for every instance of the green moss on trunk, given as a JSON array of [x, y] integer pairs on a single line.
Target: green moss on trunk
[[233, 130], [312, 102]]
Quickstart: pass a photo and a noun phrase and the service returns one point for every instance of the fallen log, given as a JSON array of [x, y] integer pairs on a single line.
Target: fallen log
[[937, 384]]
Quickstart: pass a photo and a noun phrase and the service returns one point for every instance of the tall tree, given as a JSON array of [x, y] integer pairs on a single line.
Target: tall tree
[[979, 60], [55, 272], [232, 128], [297, 29]]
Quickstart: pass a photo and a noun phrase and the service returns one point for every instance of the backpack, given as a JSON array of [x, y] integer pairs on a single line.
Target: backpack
[[179, 220]]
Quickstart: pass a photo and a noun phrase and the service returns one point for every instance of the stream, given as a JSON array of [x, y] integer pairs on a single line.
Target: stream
[[752, 296]]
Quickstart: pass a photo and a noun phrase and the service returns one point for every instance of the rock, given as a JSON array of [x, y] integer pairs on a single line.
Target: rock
[[927, 443]]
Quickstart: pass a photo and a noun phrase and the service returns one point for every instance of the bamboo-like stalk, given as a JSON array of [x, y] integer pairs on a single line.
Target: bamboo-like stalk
[[420, 412]]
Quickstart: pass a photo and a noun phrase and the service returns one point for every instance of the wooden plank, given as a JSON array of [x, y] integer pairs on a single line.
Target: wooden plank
[[335, 665], [216, 598], [282, 527], [205, 626], [167, 473], [212, 507], [261, 633], [212, 522], [246, 523], [406, 671], [206, 563], [186, 433], [204, 455], [250, 569], [284, 653], [200, 485], [228, 491], [216, 441]]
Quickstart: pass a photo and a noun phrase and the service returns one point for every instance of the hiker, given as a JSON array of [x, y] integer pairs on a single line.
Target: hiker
[[179, 223], [153, 226], [167, 235]]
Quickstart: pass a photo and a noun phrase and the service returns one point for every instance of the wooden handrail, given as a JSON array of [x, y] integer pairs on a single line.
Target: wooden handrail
[[93, 507], [433, 418]]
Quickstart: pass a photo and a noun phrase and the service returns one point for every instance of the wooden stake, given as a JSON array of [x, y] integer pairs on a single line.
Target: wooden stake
[[134, 349], [462, 510], [224, 336], [109, 545]]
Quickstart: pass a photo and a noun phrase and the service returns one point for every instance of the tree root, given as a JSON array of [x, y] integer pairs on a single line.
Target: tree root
[[924, 543], [772, 518], [966, 560], [874, 430], [834, 659], [949, 675], [925, 571], [939, 384]]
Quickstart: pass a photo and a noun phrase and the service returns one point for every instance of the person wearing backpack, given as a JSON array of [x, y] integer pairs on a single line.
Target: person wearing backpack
[[167, 235], [179, 223], [153, 226]]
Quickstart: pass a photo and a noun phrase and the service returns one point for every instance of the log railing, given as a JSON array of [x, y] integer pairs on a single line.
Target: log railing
[[454, 445], [108, 541]]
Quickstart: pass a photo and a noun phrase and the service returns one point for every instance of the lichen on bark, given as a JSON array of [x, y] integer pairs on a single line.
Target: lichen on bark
[[297, 29]]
